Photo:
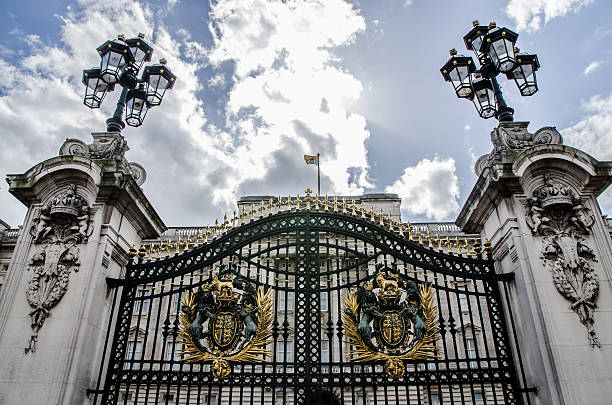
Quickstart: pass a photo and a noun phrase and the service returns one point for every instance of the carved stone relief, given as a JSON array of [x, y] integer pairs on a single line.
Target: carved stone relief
[[556, 213], [62, 224], [106, 146], [513, 136]]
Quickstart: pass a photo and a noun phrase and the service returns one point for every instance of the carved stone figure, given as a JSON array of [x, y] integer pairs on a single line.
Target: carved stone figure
[[62, 224], [556, 213]]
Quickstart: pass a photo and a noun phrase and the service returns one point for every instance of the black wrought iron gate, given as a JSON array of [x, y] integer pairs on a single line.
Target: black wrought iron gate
[[313, 258]]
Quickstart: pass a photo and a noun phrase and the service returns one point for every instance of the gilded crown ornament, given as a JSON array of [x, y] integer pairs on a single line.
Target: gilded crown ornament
[[404, 320], [220, 325]]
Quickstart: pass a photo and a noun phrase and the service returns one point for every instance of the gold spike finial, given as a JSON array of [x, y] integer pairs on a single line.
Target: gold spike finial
[[487, 245], [132, 252], [475, 23]]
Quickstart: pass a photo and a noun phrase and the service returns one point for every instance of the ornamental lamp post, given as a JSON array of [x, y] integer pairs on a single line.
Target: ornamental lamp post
[[496, 52], [120, 64]]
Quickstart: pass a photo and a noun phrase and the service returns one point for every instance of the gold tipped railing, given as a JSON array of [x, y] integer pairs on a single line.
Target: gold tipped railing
[[467, 247]]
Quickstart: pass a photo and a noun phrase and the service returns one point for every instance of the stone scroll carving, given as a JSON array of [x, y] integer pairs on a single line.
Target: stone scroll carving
[[513, 136], [556, 213], [62, 224], [106, 146]]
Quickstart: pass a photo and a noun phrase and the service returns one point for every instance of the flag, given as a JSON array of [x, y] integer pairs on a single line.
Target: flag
[[311, 159]]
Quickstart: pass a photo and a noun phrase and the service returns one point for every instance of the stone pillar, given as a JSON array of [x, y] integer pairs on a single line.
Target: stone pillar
[[536, 200], [85, 210]]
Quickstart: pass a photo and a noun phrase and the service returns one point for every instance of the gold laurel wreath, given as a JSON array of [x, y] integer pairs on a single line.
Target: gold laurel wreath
[[253, 352], [424, 349]]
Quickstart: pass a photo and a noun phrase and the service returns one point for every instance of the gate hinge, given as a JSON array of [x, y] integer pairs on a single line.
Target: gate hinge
[[505, 277], [533, 390], [113, 282], [93, 391]]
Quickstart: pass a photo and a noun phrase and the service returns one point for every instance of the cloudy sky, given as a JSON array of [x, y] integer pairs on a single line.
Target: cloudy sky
[[262, 82]]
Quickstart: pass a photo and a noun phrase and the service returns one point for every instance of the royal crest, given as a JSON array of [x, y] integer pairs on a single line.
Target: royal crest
[[389, 318], [220, 325]]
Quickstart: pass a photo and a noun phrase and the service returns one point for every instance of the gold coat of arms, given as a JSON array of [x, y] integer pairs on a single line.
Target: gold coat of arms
[[389, 319], [220, 324]]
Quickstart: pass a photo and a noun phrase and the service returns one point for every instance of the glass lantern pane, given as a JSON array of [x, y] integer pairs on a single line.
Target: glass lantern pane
[[476, 44], [138, 55]]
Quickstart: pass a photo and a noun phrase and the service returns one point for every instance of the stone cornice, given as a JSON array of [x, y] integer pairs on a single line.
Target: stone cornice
[[501, 179]]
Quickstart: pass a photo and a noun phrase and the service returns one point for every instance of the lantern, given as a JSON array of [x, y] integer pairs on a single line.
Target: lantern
[[158, 79], [457, 71], [95, 88]]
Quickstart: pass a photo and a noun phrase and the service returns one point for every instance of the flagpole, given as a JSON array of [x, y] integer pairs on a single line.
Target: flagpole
[[318, 176]]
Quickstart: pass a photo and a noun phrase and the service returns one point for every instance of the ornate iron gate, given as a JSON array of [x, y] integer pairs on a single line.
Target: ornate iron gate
[[309, 301]]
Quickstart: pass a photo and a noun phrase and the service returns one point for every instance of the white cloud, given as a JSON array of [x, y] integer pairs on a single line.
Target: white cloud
[[528, 14], [429, 188], [592, 135], [285, 71], [217, 80], [592, 67]]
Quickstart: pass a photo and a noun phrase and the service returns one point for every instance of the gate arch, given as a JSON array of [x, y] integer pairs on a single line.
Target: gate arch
[[310, 258]]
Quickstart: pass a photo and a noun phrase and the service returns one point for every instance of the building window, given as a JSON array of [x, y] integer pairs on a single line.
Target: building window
[[126, 396], [463, 303], [168, 397], [173, 353], [471, 351], [323, 299], [175, 305], [142, 306], [285, 301], [211, 399], [134, 352], [478, 396], [434, 399], [324, 351], [284, 351]]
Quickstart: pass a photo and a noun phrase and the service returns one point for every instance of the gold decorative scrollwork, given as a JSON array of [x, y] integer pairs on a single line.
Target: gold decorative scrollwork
[[395, 343], [238, 347]]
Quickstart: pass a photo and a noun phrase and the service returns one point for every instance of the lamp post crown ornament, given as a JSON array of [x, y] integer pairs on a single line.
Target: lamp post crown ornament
[[495, 50], [121, 61]]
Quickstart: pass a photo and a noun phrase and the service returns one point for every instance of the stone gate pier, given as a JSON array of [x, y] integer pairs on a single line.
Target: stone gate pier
[[536, 201], [85, 210]]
